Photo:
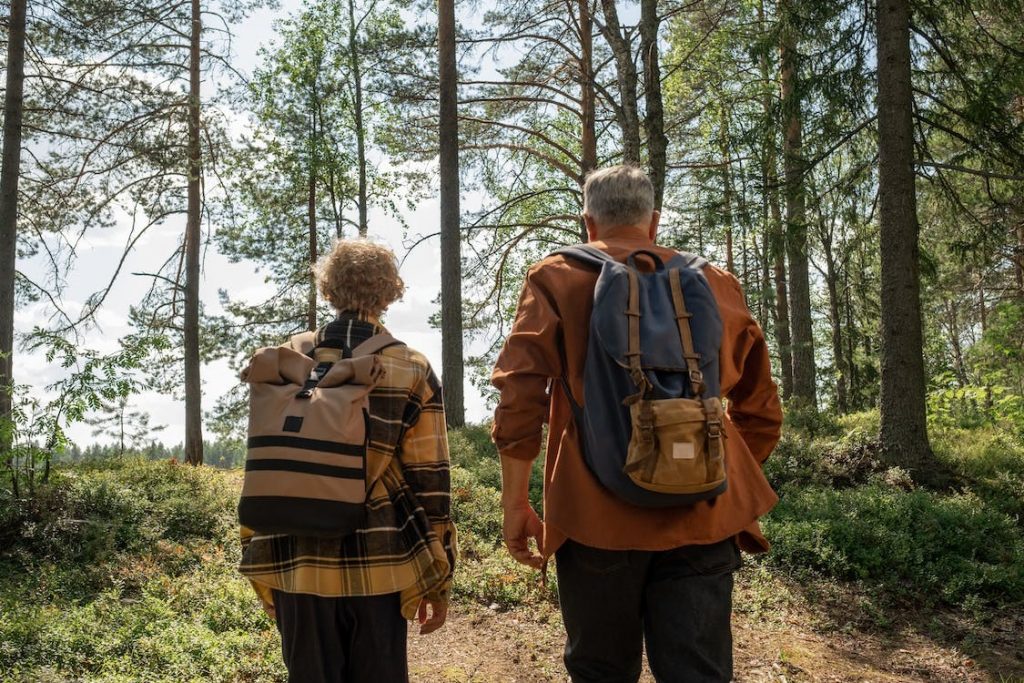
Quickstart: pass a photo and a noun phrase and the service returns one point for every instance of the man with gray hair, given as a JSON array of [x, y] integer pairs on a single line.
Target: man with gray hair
[[630, 573]]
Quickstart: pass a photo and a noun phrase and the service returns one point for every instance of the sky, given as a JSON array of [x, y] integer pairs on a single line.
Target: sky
[[406, 319]]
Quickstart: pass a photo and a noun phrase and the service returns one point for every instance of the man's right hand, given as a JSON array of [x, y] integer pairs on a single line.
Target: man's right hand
[[521, 523]]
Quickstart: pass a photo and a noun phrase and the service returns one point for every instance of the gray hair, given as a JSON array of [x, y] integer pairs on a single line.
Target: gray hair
[[618, 195]]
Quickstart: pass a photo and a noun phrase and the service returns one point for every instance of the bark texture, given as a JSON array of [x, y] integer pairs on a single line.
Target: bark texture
[[193, 381], [804, 389], [626, 78], [654, 114], [313, 253], [588, 108], [451, 259], [10, 169], [775, 249], [357, 114], [904, 432]]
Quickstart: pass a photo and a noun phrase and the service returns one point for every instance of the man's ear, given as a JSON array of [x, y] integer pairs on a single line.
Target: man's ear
[[652, 229], [591, 227]]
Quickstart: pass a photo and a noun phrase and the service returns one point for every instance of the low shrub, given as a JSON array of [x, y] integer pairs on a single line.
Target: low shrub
[[476, 509], [917, 543], [988, 462], [205, 628], [92, 520], [486, 573], [472, 449], [497, 579], [848, 456]]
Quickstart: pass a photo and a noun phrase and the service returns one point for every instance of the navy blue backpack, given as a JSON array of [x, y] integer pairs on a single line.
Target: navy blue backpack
[[650, 421]]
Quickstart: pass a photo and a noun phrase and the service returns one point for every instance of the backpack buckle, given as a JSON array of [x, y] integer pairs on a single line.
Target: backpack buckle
[[714, 428], [696, 376], [315, 375]]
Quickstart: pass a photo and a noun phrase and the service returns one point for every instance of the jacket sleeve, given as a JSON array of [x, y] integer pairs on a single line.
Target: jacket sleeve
[[754, 406], [524, 369], [427, 469]]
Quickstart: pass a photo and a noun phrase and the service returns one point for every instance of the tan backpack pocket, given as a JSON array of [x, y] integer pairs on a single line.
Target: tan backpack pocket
[[676, 445]]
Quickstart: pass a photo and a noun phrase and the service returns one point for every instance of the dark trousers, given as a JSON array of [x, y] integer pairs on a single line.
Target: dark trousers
[[678, 601], [342, 640]]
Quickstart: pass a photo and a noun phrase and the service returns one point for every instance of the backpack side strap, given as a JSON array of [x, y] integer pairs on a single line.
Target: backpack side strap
[[374, 344]]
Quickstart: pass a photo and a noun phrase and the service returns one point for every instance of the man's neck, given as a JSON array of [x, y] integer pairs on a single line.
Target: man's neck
[[631, 233]]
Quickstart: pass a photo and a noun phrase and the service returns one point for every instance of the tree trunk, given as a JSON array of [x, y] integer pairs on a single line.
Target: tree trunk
[[782, 323], [451, 259], [193, 382], [1018, 262], [804, 389], [10, 170], [313, 253], [625, 73], [835, 317], [727, 192], [357, 84], [950, 308], [654, 114], [775, 242], [854, 388], [120, 425], [588, 134], [904, 431]]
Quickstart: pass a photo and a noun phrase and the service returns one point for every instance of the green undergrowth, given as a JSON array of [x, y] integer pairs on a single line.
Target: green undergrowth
[[486, 572], [846, 513], [125, 570]]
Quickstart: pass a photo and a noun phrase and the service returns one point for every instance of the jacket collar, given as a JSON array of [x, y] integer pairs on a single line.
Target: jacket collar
[[359, 316]]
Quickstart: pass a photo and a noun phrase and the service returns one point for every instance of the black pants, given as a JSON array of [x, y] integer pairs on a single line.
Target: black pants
[[679, 601], [342, 640]]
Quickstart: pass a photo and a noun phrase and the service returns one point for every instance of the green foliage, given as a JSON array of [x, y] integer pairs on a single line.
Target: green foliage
[[496, 578], [847, 456], [472, 449], [124, 570], [917, 544], [487, 573], [97, 516], [203, 627], [37, 428], [988, 462]]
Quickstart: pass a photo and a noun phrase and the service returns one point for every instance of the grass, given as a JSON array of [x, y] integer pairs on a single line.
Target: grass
[[125, 571]]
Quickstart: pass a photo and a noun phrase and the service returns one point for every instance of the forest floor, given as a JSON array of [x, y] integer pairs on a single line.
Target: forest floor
[[125, 571], [791, 636]]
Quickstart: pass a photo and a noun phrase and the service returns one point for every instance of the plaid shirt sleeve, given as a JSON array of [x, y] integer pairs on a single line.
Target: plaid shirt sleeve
[[425, 463]]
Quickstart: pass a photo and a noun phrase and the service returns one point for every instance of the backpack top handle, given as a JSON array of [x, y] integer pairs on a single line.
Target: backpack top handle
[[659, 264]]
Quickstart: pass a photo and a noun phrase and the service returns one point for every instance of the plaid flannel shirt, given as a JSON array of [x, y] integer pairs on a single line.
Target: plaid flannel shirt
[[408, 543]]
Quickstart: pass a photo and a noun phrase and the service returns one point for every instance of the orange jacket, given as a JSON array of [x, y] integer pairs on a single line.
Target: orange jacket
[[549, 339]]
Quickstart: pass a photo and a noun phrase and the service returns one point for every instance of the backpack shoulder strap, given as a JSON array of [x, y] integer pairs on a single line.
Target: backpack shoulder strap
[[683, 316], [374, 344], [304, 342], [590, 255]]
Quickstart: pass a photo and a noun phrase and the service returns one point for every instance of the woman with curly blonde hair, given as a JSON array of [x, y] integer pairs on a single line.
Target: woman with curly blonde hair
[[341, 605]]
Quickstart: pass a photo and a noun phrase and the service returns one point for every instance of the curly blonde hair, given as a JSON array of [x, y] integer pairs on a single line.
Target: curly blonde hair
[[361, 276]]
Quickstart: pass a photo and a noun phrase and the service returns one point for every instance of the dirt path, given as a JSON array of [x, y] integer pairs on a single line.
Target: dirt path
[[785, 640]]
